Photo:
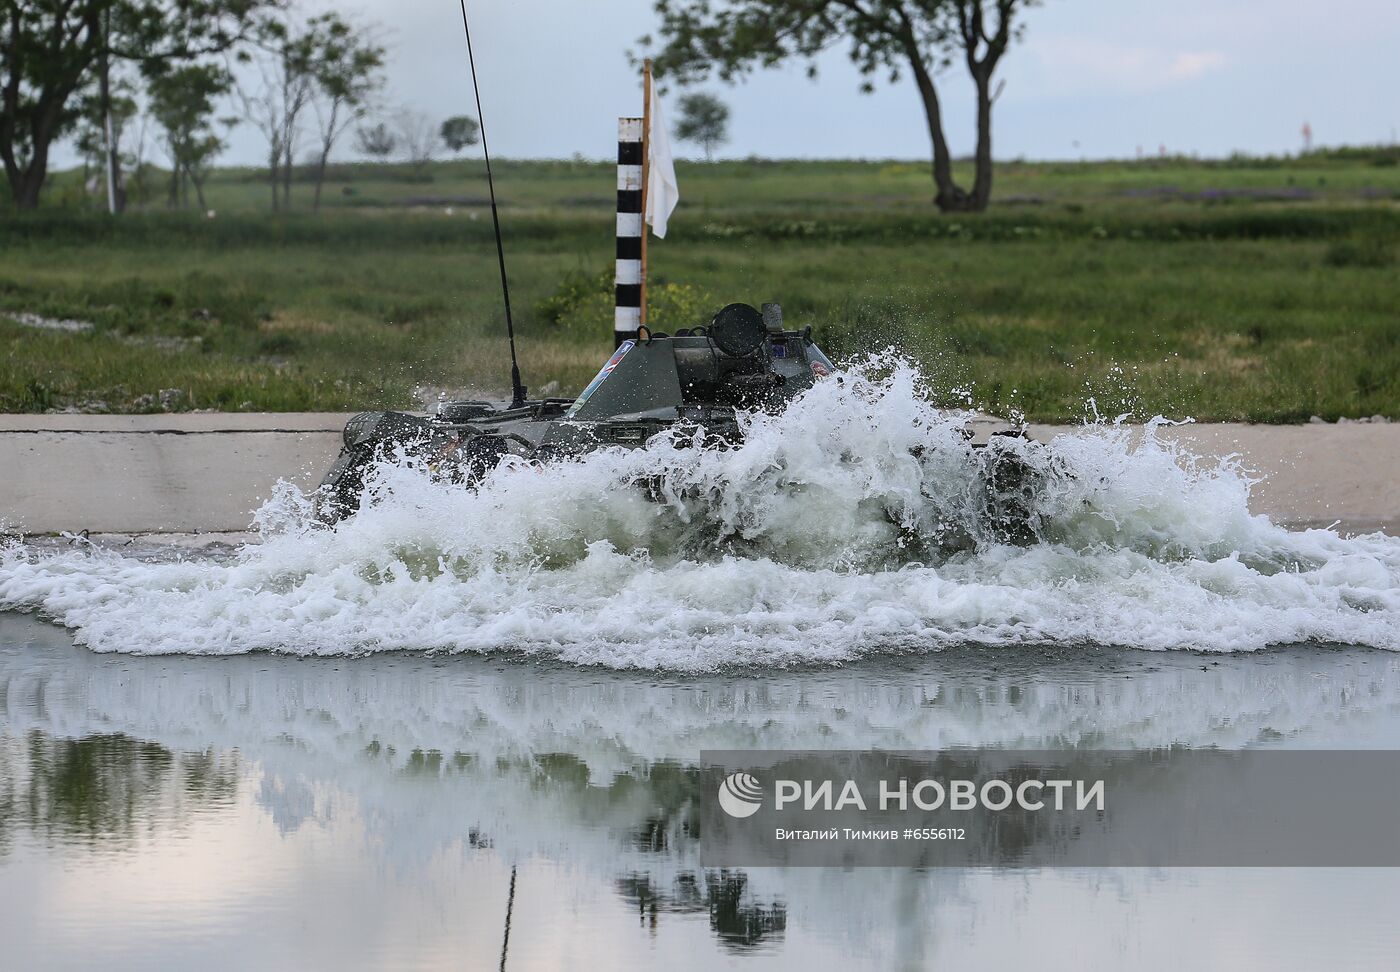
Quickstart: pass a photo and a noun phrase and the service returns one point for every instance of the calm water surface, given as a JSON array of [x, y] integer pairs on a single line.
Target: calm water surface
[[405, 811]]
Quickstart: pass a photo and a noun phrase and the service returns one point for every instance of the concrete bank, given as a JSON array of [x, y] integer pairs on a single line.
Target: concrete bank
[[182, 473], [207, 473]]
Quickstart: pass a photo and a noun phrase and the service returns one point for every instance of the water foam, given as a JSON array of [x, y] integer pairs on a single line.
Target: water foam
[[854, 522]]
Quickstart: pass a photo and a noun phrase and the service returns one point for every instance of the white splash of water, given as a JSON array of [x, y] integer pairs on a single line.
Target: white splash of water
[[852, 523]]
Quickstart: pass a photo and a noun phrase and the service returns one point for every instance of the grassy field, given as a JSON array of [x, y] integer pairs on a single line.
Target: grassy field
[[1263, 290]]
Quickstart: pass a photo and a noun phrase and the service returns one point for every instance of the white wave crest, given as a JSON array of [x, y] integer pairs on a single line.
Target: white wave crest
[[854, 522]]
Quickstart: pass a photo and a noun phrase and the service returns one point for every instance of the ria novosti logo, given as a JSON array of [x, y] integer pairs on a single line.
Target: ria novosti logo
[[740, 795]]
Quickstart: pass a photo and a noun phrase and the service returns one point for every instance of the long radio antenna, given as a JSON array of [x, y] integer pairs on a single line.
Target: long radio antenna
[[517, 390]]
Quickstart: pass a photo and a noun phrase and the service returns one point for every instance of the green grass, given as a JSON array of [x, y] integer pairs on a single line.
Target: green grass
[[1263, 290]]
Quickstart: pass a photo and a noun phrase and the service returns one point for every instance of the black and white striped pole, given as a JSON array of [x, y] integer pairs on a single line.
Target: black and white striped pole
[[631, 156]]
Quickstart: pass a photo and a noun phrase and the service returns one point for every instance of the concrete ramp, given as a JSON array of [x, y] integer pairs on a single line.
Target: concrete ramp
[[206, 473], [181, 473]]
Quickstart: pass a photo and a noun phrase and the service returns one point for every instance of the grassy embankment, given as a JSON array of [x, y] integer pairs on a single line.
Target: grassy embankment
[[1264, 290]]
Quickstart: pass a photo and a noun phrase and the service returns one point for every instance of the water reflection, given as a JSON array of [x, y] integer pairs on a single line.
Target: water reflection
[[737, 923], [105, 788], [389, 812]]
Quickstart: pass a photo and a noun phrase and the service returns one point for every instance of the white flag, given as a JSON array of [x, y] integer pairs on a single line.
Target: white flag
[[662, 192]]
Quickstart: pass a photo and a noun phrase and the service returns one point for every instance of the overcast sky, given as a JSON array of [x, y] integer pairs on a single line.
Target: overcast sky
[[1093, 78]]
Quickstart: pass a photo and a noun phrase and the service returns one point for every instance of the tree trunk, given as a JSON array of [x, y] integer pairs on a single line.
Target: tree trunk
[[328, 133], [982, 182], [272, 175], [320, 178], [24, 187], [949, 197], [287, 178], [111, 157], [27, 182], [199, 190], [24, 190]]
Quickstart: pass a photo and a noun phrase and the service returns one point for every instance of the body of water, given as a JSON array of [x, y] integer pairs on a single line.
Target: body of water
[[463, 727], [428, 812]]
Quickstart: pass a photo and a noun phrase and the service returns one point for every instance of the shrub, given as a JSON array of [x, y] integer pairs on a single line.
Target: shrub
[[1369, 252], [584, 302]]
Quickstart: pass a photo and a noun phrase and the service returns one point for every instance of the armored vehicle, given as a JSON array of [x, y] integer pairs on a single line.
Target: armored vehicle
[[698, 377], [701, 377]]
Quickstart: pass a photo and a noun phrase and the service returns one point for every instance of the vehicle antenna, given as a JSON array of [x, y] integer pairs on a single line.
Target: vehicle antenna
[[517, 390]]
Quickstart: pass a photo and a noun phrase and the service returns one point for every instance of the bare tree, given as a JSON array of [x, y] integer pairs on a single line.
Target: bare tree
[[418, 134], [376, 141], [347, 66], [282, 58]]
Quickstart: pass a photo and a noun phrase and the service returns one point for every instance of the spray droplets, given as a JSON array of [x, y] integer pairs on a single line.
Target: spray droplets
[[857, 521]]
